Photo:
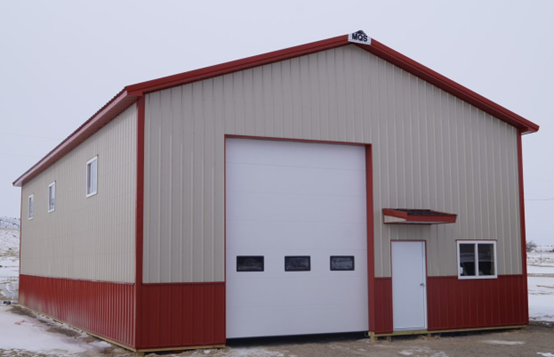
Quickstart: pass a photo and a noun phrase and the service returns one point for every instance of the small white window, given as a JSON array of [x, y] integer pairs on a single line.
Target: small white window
[[92, 176], [52, 196], [31, 203], [477, 260]]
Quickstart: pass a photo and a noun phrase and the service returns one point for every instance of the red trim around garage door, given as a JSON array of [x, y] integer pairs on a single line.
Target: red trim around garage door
[[102, 308], [379, 290], [375, 299]]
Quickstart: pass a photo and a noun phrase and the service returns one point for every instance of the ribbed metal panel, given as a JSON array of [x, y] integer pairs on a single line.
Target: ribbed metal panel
[[86, 238], [103, 308], [431, 150], [182, 315], [461, 304]]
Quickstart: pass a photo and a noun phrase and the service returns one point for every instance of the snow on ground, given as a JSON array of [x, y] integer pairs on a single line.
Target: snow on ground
[[9, 222], [9, 263], [9, 279], [506, 343], [9, 241], [19, 330], [540, 270]]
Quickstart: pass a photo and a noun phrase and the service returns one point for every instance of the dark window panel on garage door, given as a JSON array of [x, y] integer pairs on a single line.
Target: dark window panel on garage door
[[297, 263], [250, 263], [342, 263]]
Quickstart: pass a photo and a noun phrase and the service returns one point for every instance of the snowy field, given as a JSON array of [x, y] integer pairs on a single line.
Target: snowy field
[[48, 337], [18, 327], [9, 259], [540, 271]]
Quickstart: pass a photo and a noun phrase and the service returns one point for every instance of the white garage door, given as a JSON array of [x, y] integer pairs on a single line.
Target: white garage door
[[296, 238]]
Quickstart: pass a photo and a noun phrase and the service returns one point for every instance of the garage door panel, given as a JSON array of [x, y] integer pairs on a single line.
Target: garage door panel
[[296, 320], [300, 292], [274, 264], [247, 206], [295, 235], [295, 180], [286, 153], [295, 199]]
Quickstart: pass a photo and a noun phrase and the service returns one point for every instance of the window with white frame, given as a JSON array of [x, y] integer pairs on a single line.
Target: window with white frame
[[477, 259], [52, 196], [30, 206], [92, 176]]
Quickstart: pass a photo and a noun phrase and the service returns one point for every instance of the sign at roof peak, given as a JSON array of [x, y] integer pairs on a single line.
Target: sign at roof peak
[[359, 37]]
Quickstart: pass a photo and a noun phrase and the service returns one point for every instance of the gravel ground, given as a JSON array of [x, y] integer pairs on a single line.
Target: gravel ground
[[535, 340]]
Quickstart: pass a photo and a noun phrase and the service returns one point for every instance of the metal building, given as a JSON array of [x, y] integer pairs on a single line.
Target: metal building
[[336, 186]]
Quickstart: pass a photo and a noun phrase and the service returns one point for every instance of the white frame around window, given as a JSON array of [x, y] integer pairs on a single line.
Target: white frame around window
[[52, 199], [89, 164], [30, 207], [475, 243]]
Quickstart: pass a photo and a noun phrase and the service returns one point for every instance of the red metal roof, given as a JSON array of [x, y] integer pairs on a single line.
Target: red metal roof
[[132, 92]]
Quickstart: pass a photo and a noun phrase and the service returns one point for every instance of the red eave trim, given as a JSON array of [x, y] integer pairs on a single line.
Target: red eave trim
[[424, 219], [115, 106], [234, 66], [448, 85]]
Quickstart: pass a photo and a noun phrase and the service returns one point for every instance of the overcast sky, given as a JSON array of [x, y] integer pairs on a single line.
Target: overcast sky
[[60, 61]]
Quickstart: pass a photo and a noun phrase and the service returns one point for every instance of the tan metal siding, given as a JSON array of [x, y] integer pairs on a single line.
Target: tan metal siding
[[431, 150], [86, 238]]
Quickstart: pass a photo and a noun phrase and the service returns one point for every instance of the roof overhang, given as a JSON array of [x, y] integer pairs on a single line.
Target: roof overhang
[[109, 111], [416, 216], [132, 92]]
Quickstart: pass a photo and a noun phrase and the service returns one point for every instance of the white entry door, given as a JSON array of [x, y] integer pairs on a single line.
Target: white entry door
[[409, 286], [296, 238]]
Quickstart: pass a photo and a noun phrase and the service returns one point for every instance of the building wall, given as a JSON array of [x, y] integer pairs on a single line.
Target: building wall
[[430, 150], [86, 238], [105, 309]]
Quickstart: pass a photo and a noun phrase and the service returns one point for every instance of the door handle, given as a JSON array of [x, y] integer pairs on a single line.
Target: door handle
[[422, 284]]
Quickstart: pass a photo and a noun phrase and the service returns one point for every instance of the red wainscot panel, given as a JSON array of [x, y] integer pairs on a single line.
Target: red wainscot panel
[[182, 315], [102, 308], [383, 305], [453, 303]]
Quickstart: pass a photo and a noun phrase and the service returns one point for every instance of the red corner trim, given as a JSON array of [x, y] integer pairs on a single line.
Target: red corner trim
[[20, 237], [522, 220], [370, 239], [413, 218], [139, 217], [448, 85]]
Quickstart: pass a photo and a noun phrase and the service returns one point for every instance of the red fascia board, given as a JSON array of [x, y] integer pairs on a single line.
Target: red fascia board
[[414, 218], [235, 66], [115, 106], [448, 85]]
